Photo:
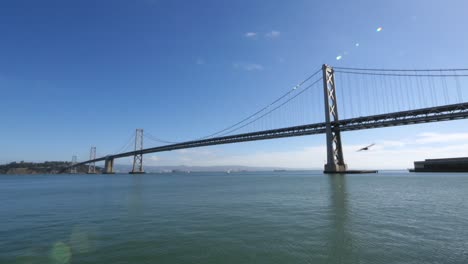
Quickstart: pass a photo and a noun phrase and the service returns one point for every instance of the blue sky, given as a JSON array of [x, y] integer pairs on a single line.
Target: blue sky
[[80, 73]]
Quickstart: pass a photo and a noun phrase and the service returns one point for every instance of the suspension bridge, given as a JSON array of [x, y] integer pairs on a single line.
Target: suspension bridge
[[369, 98]]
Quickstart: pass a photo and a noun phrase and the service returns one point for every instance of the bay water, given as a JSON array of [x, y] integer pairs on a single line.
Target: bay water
[[243, 217]]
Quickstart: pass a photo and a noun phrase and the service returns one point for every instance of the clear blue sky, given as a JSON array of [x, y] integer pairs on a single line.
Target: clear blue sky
[[80, 73]]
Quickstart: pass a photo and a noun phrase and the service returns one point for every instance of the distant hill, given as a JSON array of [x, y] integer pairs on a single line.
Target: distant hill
[[48, 167], [127, 168], [55, 167]]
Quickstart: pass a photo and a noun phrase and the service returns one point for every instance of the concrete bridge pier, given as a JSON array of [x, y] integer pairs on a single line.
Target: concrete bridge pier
[[109, 166]]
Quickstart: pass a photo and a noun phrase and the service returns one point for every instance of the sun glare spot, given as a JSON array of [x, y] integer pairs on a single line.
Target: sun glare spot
[[339, 57], [379, 29], [60, 253]]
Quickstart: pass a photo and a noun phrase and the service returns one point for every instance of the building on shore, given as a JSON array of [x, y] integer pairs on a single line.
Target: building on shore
[[441, 165]]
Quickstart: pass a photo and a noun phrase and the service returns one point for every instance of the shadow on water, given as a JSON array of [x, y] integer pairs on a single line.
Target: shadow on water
[[340, 238]]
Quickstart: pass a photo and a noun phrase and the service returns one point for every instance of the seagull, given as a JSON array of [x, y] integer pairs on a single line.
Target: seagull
[[366, 148]]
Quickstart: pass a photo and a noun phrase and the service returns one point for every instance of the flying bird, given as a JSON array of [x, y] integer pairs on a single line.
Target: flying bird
[[366, 148]]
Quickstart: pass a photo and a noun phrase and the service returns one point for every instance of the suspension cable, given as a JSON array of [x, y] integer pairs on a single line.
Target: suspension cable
[[264, 108], [399, 70], [157, 139], [124, 147], [402, 74], [272, 110]]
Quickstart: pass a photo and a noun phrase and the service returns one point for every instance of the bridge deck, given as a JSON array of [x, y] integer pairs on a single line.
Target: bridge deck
[[424, 115]]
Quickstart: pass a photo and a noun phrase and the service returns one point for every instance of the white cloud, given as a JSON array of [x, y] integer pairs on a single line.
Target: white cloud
[[248, 66], [195, 151], [392, 143], [250, 35], [273, 34], [154, 158], [253, 67], [430, 137], [200, 61]]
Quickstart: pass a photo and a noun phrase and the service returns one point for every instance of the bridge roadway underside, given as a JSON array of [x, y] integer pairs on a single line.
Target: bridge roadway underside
[[418, 116]]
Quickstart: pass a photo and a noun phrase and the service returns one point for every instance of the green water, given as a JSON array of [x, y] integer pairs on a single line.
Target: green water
[[274, 217]]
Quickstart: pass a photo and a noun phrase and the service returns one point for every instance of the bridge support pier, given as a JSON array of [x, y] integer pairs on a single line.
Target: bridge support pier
[[109, 166], [335, 160]]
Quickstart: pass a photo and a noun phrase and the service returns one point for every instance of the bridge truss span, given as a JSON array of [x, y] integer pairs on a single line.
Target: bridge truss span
[[303, 130], [418, 116], [433, 114]]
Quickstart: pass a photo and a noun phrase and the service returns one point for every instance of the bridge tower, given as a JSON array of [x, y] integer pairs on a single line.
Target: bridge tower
[[138, 157], [335, 160], [92, 165], [73, 162]]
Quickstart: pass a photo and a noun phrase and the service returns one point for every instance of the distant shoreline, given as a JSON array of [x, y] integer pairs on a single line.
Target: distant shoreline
[[47, 167]]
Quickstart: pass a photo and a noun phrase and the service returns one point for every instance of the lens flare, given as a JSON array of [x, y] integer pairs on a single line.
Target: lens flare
[[379, 29], [79, 241], [60, 253], [357, 44], [339, 57]]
